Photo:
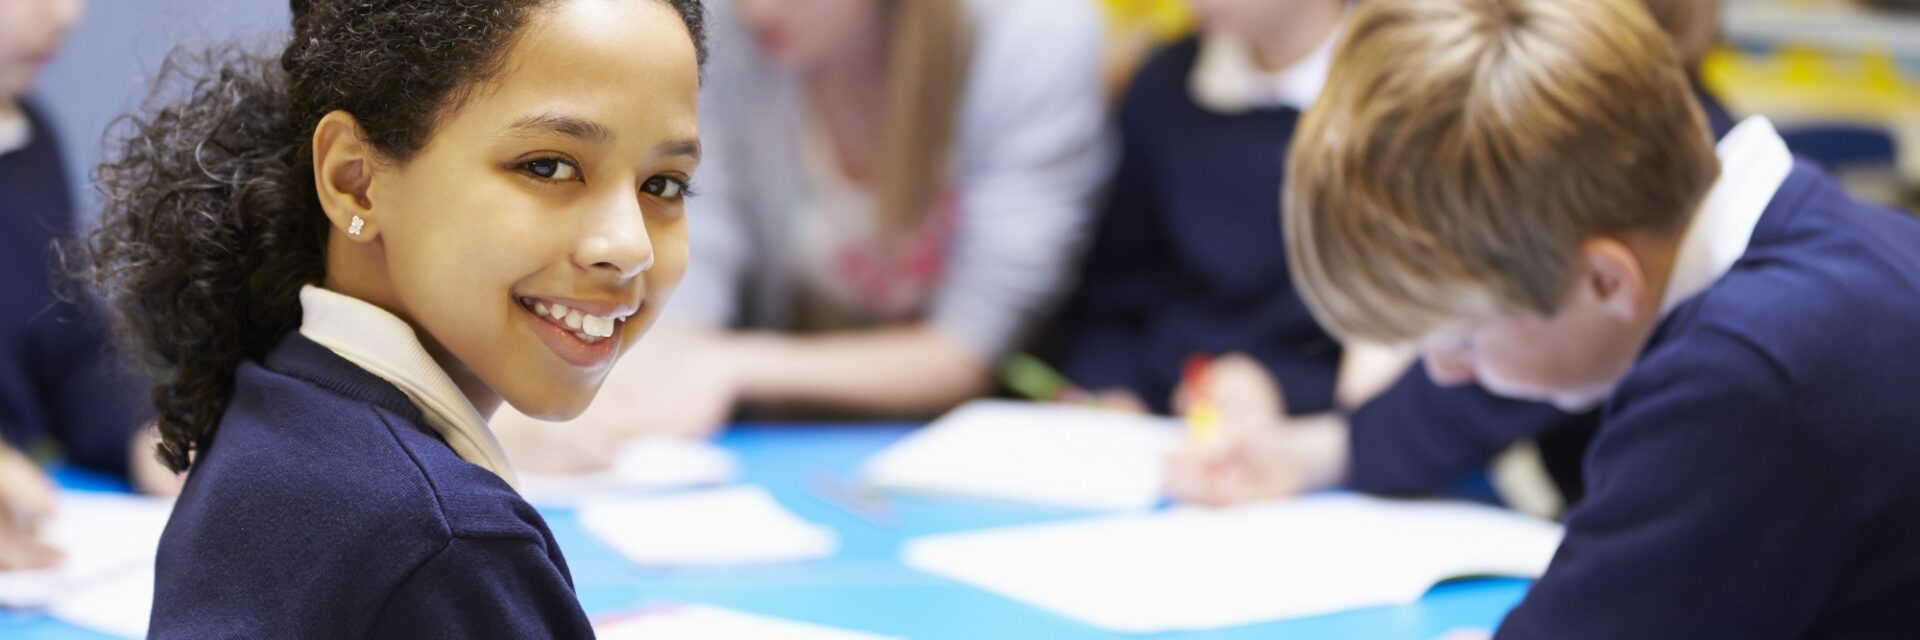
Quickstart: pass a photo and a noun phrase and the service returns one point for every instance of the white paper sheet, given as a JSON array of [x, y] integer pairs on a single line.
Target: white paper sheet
[[119, 606], [702, 622], [642, 466], [1037, 453], [1196, 569], [715, 527], [102, 535]]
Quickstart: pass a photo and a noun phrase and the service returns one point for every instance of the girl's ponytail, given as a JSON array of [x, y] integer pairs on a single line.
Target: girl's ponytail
[[207, 235]]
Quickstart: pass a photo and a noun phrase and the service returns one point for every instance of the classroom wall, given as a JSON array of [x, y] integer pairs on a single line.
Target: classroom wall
[[108, 62]]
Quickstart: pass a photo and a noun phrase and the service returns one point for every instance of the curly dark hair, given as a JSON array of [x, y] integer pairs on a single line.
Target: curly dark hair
[[212, 224]]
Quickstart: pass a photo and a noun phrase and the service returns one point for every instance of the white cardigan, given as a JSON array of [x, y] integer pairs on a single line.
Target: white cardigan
[[1032, 150]]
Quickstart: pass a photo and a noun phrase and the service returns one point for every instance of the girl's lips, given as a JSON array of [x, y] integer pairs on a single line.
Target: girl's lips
[[567, 344]]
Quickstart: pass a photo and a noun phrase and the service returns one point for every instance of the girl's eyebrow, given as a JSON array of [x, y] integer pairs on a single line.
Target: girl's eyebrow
[[685, 147], [583, 130]]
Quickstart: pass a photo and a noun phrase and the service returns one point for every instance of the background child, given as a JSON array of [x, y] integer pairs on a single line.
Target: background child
[[1184, 262], [1569, 236], [59, 383], [344, 256]]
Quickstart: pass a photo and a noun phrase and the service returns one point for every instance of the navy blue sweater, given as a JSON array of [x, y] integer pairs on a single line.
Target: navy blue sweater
[[59, 379], [1188, 258], [1755, 474], [325, 508]]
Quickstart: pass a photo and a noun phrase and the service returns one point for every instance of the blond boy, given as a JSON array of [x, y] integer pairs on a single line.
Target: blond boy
[[1526, 190]]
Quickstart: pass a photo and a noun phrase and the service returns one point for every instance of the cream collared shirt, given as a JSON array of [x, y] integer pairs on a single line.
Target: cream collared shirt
[[386, 346], [1754, 162], [15, 131], [1226, 79]]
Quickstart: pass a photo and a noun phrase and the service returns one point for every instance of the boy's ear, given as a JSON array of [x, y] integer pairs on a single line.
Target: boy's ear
[[1613, 277], [343, 164]]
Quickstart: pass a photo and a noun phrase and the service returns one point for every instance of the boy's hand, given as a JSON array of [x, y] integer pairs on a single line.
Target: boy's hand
[[1276, 460], [1259, 453], [26, 499], [1241, 390]]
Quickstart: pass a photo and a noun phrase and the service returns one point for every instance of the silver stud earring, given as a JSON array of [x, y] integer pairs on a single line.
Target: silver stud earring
[[354, 228]]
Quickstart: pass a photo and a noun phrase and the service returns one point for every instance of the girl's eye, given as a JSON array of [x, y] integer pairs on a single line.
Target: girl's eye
[[553, 169], [666, 187]]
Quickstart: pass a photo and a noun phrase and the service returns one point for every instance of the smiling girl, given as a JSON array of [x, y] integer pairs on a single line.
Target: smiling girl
[[343, 258]]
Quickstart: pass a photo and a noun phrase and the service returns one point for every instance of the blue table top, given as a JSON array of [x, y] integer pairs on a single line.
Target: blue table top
[[864, 586]]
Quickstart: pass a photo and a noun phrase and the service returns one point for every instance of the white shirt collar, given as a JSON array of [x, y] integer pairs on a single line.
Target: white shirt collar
[[386, 346], [1754, 162], [15, 131], [1227, 79]]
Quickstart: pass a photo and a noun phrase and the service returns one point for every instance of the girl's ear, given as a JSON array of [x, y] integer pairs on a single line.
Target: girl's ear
[[343, 164]]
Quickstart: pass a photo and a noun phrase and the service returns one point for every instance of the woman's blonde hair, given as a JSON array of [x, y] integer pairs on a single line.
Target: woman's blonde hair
[[931, 51], [1463, 150]]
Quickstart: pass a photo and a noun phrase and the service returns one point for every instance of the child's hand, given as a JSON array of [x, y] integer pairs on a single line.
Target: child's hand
[[1259, 452], [1243, 393], [26, 499], [1240, 466]]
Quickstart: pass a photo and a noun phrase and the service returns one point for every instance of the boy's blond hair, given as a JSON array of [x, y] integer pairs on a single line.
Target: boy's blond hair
[[1464, 149]]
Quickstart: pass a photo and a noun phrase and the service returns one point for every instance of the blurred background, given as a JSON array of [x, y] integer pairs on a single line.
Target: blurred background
[[1842, 77]]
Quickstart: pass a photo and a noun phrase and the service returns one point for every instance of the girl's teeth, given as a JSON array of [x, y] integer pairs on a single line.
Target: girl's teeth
[[587, 327]]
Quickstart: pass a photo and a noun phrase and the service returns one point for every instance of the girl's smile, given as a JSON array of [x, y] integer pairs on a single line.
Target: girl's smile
[[581, 332]]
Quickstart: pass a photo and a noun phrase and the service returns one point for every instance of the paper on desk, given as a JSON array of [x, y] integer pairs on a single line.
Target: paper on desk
[[118, 606], [644, 465], [1194, 569], [713, 527], [701, 622], [1047, 454], [102, 534]]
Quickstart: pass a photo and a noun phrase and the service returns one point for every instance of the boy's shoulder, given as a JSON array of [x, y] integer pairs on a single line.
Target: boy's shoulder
[[1828, 289], [1816, 321]]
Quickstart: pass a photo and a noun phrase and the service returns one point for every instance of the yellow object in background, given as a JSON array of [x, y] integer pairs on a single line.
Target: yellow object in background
[[1824, 61], [1164, 20], [1134, 29]]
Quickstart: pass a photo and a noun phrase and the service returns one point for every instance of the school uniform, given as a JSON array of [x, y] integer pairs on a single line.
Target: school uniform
[[59, 380], [1189, 258], [1753, 475], [352, 491]]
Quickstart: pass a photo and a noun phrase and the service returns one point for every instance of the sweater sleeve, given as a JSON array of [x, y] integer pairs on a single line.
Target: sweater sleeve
[[1101, 332], [484, 588], [1035, 140], [94, 403], [1418, 437], [1708, 514]]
